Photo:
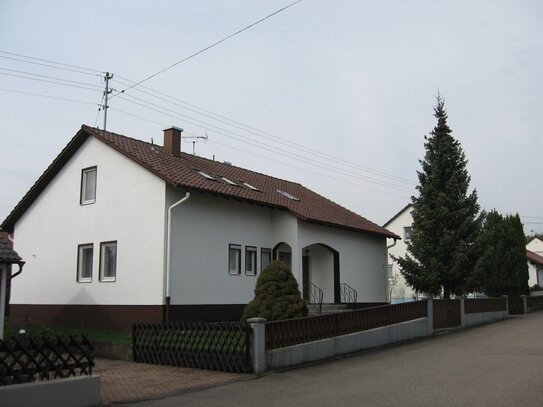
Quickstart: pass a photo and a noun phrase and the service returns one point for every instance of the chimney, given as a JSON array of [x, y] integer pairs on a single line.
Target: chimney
[[172, 141]]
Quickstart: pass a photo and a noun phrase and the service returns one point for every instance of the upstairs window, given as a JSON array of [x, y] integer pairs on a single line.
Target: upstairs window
[[84, 263], [234, 259], [108, 261], [407, 233], [250, 260], [88, 186]]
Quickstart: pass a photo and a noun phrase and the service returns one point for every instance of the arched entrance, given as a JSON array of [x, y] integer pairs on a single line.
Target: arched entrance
[[320, 266]]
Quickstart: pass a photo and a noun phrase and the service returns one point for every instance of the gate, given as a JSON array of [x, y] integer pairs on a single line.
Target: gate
[[203, 345], [446, 314]]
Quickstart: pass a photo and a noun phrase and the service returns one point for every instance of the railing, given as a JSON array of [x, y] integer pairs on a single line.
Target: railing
[[474, 305], [290, 332], [348, 294], [28, 358], [446, 314], [313, 295], [213, 345]]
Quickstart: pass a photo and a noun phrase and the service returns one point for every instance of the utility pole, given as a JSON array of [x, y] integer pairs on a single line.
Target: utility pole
[[107, 91]]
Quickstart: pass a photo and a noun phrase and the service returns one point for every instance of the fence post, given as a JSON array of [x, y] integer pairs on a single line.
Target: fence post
[[462, 312], [430, 316], [524, 304], [258, 344]]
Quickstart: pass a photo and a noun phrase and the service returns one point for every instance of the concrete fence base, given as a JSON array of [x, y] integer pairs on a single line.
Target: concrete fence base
[[483, 318], [79, 391]]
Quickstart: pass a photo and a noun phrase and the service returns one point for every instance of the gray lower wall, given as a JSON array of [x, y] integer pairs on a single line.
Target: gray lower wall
[[80, 391], [483, 318], [327, 348]]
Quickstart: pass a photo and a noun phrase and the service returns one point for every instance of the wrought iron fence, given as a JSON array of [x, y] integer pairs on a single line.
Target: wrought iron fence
[[290, 332], [203, 345], [29, 358], [477, 305], [348, 294]]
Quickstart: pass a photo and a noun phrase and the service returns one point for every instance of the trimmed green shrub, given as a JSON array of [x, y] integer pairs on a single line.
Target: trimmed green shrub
[[276, 295]]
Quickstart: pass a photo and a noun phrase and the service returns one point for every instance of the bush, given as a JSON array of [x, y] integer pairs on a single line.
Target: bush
[[276, 295], [536, 287]]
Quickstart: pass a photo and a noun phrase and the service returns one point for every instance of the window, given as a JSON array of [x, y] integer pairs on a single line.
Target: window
[[246, 184], [230, 182], [206, 175], [108, 261], [250, 260], [390, 272], [84, 263], [265, 257], [407, 232], [88, 186], [234, 259], [289, 196]]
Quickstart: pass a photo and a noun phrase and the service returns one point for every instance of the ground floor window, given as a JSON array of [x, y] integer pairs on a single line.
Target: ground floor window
[[234, 259], [265, 257], [250, 260], [108, 261], [84, 262]]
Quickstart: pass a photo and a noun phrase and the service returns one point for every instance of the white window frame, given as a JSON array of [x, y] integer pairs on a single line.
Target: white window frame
[[234, 269], [390, 270], [84, 185], [103, 264], [251, 258], [265, 252], [81, 263]]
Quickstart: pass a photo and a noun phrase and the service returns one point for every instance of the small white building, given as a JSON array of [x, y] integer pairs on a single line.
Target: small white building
[[534, 253], [118, 230], [401, 225]]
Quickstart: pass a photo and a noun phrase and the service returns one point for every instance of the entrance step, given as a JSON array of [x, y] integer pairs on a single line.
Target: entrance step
[[326, 309]]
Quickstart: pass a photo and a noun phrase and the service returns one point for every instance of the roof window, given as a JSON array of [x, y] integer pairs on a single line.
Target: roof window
[[228, 181], [250, 186], [289, 196], [206, 175]]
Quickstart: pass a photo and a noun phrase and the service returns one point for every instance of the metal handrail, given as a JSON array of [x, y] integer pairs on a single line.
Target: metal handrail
[[314, 295], [348, 294]]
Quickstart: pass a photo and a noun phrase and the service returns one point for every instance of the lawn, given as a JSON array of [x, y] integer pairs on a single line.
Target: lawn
[[94, 335]]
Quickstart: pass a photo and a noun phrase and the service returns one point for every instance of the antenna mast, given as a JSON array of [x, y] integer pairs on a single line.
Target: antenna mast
[[107, 91], [194, 140]]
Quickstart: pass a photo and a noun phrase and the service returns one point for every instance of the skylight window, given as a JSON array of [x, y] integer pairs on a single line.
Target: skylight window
[[206, 175], [250, 186], [228, 181], [289, 196]]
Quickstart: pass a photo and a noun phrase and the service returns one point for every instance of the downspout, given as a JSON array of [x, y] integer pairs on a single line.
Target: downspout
[[168, 254], [389, 295], [21, 265]]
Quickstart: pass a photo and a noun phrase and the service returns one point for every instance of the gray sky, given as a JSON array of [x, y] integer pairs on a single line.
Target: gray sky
[[350, 79]]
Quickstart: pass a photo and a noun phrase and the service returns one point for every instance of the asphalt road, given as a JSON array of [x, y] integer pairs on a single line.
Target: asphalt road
[[500, 364]]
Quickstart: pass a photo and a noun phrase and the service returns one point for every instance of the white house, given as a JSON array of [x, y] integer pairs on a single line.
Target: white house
[[534, 254], [401, 225], [118, 230]]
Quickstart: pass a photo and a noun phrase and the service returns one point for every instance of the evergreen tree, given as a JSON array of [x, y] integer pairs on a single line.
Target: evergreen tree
[[502, 267], [441, 252], [276, 295]]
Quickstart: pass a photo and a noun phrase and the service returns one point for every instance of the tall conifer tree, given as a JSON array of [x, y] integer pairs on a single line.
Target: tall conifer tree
[[441, 252]]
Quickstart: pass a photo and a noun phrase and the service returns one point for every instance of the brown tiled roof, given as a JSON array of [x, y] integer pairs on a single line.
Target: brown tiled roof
[[533, 257], [182, 171], [7, 254]]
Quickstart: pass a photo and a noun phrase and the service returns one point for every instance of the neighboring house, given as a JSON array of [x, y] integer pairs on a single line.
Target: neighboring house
[[8, 257], [535, 268], [535, 245], [118, 230], [401, 225]]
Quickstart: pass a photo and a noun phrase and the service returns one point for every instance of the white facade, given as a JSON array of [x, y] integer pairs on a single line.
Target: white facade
[[399, 291], [536, 246], [129, 209]]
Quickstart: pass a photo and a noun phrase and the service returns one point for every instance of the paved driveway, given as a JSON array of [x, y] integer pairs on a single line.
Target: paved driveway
[[500, 364]]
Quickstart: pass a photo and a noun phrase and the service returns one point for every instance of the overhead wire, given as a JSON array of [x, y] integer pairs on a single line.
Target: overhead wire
[[47, 96], [209, 46], [51, 82], [67, 67]]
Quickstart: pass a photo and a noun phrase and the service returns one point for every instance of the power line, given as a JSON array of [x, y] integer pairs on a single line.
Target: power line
[[211, 46], [49, 77], [47, 81], [263, 134], [79, 68], [263, 146], [47, 96]]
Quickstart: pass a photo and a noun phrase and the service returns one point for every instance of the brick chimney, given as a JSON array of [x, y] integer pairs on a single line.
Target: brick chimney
[[172, 141]]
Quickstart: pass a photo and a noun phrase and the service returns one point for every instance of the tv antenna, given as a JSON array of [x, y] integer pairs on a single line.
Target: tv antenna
[[194, 140]]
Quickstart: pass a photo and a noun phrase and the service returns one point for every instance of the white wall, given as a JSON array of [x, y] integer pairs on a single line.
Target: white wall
[[129, 208], [362, 259], [400, 289], [533, 272], [536, 246], [202, 229]]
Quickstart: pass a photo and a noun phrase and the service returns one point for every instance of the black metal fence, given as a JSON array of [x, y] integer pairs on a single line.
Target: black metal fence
[[446, 314], [204, 345], [27, 358]]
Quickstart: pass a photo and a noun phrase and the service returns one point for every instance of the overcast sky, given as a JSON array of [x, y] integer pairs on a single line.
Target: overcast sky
[[338, 94]]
